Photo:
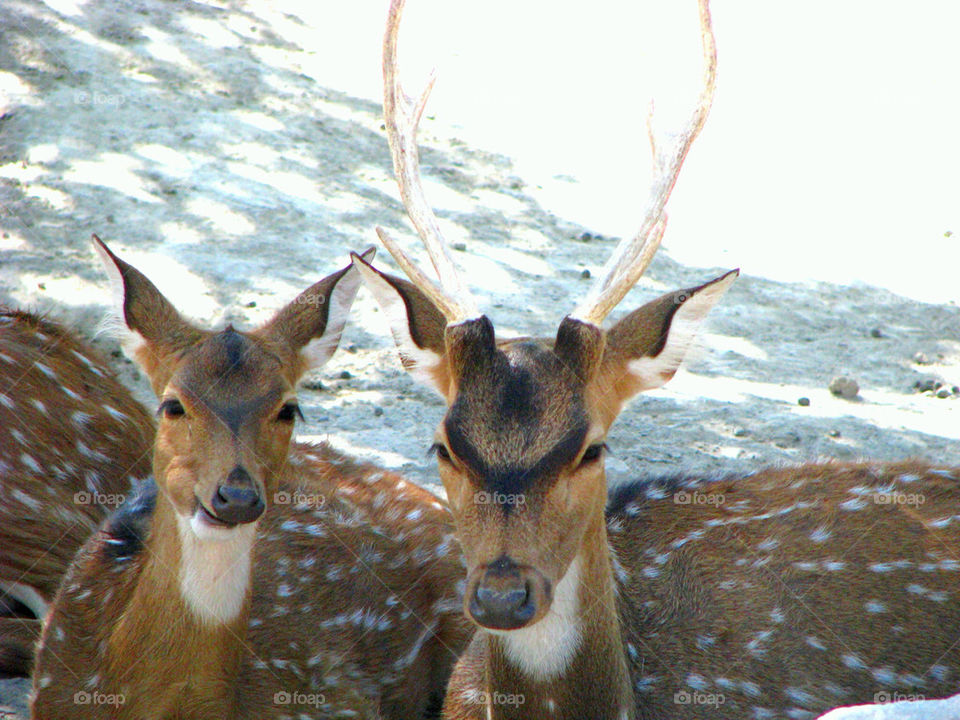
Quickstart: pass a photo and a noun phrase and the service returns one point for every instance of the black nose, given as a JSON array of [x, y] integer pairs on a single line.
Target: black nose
[[237, 500], [502, 599]]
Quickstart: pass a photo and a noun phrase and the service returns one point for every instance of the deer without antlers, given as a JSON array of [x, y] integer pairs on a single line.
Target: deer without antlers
[[73, 441], [777, 602], [253, 578]]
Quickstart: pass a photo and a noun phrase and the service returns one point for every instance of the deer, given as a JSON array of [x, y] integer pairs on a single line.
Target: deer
[[779, 593], [251, 576], [73, 442]]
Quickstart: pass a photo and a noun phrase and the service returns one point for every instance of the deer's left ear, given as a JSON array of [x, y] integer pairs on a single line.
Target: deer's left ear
[[151, 331], [417, 325], [644, 349], [314, 321]]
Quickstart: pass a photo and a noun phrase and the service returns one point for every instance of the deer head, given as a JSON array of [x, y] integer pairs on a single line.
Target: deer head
[[521, 447], [227, 399]]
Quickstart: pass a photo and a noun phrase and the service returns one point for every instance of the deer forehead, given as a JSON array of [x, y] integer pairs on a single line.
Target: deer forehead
[[231, 376], [519, 419]]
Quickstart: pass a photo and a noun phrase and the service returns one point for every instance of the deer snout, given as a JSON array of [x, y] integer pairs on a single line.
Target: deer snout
[[505, 596], [238, 499]]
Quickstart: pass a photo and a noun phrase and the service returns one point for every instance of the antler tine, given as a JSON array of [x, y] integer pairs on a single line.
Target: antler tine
[[632, 255], [401, 117]]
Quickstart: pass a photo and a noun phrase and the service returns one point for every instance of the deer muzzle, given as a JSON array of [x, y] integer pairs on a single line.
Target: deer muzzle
[[505, 596]]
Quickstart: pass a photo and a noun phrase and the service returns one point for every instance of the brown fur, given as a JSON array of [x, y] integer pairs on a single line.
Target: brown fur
[[741, 571], [46, 521]]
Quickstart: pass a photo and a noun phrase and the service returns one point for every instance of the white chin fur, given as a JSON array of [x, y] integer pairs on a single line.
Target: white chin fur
[[545, 649], [214, 567], [205, 530]]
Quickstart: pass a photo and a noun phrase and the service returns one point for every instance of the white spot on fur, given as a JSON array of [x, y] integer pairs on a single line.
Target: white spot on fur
[[820, 535]]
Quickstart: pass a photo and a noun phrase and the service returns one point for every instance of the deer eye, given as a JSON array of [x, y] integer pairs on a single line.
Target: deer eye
[[171, 409], [289, 412], [441, 450], [592, 453]]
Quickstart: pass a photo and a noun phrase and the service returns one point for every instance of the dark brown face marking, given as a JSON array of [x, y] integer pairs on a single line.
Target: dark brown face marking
[[520, 420], [233, 377]]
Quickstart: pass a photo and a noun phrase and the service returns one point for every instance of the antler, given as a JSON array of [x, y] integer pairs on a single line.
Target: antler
[[402, 116], [632, 255]]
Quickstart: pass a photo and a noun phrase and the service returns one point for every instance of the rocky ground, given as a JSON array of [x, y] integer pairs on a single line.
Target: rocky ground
[[188, 137]]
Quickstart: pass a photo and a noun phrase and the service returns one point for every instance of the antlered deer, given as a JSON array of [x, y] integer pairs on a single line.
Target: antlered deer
[[73, 441], [788, 593], [254, 578]]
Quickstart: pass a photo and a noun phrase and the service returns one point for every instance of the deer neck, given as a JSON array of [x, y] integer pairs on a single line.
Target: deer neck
[[571, 664], [188, 613]]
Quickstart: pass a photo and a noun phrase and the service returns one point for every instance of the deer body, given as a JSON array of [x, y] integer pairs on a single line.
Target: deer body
[[253, 577], [792, 591], [73, 440]]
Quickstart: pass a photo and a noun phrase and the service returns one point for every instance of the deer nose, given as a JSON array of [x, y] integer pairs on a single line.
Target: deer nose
[[503, 597], [238, 500]]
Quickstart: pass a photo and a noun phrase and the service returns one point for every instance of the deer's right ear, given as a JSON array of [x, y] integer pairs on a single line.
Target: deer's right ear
[[416, 323], [313, 323], [151, 330]]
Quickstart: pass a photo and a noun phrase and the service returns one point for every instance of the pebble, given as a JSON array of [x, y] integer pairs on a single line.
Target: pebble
[[921, 358], [844, 387], [943, 393], [741, 432], [877, 333], [834, 433], [927, 385], [803, 402], [378, 411], [585, 274], [346, 375]]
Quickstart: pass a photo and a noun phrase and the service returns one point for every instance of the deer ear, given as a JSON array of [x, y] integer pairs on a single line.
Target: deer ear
[[150, 329], [644, 349], [313, 323], [417, 326]]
